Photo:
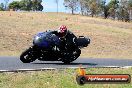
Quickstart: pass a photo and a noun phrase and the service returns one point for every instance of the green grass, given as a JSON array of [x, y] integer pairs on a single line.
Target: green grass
[[58, 79]]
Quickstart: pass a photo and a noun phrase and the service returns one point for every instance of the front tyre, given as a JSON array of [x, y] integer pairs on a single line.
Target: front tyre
[[27, 56]]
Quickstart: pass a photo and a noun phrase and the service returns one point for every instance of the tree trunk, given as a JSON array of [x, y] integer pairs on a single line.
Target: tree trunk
[[130, 14], [82, 11], [57, 7], [92, 14], [72, 12]]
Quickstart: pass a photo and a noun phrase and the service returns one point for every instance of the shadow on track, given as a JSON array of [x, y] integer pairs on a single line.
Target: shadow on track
[[74, 64]]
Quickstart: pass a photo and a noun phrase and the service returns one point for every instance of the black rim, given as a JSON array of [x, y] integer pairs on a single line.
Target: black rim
[[27, 56], [71, 57]]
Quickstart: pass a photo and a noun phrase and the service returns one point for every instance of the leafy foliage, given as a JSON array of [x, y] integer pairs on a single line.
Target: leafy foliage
[[36, 5], [71, 4], [26, 5], [116, 9], [1, 7], [6, 4], [113, 5], [14, 5]]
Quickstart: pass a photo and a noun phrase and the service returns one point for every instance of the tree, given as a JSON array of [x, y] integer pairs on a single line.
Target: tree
[[57, 2], [36, 5], [130, 8], [105, 9], [1, 7], [71, 4], [14, 5], [94, 6], [6, 3], [113, 5], [122, 12], [82, 6], [25, 5], [130, 4]]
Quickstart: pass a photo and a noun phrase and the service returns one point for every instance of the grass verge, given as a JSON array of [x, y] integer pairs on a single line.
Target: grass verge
[[58, 79]]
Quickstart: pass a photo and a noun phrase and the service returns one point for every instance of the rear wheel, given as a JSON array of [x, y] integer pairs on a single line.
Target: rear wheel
[[68, 58], [27, 56], [65, 61]]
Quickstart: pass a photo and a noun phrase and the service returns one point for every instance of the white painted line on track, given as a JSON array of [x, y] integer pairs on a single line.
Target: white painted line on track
[[24, 70], [4, 70], [74, 67], [127, 67], [43, 69], [111, 66]]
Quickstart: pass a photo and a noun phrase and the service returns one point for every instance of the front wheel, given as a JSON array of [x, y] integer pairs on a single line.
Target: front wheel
[[27, 56]]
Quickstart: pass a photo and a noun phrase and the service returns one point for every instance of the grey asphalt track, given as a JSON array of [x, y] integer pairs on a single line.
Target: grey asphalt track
[[13, 63]]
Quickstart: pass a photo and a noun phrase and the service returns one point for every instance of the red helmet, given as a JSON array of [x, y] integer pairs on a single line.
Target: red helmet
[[62, 30]]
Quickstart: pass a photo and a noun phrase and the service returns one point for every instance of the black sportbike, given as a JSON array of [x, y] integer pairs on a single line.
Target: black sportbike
[[47, 46]]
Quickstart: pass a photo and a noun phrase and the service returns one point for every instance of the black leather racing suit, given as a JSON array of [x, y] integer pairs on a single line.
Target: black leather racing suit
[[68, 43]]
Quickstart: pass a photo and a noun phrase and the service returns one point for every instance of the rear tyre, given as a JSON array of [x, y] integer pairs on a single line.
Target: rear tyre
[[68, 58], [66, 61], [27, 56]]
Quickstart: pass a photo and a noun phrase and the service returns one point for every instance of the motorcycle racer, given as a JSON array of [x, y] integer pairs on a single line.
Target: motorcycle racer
[[58, 45], [68, 39]]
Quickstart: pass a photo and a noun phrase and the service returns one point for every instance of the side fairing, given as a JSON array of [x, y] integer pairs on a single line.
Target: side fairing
[[46, 40]]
